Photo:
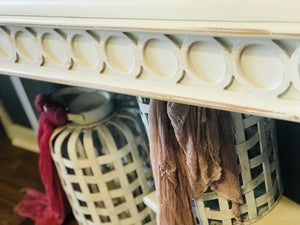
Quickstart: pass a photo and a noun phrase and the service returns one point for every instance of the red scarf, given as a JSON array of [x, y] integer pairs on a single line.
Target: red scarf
[[51, 207]]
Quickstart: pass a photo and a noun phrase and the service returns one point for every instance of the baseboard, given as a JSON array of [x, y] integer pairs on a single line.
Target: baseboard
[[19, 136]]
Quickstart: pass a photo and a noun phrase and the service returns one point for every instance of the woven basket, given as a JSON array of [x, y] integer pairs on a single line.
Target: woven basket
[[259, 172], [99, 157]]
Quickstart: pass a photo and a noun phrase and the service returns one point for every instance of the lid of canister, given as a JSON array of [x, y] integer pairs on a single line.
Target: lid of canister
[[90, 107], [85, 106]]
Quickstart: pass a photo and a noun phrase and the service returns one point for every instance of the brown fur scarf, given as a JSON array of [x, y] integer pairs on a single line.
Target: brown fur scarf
[[192, 149]]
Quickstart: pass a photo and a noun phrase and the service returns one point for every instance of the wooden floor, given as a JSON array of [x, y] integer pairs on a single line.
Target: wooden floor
[[18, 169]]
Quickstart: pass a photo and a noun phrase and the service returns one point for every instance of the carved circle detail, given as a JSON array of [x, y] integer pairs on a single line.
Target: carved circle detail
[[120, 54], [54, 49], [84, 51], [295, 70], [160, 58], [27, 46], [6, 48], [261, 66], [206, 62]]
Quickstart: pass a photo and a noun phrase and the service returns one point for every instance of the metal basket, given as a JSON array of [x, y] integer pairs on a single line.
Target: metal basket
[[101, 164], [259, 172]]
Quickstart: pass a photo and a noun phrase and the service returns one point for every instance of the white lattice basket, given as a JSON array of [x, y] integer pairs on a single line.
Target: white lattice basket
[[259, 172], [101, 163]]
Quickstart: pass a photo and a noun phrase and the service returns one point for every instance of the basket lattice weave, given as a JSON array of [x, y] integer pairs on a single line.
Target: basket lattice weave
[[259, 172], [103, 171]]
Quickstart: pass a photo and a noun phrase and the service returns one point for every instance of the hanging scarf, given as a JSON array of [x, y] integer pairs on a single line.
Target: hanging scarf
[[51, 207], [192, 149]]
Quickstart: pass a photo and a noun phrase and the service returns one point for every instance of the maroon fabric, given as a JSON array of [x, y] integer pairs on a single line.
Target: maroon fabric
[[51, 207]]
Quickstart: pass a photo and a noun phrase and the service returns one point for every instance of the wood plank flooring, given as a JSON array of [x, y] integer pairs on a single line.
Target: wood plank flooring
[[18, 169]]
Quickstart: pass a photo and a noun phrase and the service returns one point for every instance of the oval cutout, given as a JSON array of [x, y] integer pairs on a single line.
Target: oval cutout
[[5, 46], [120, 54], [85, 51], [206, 62], [54, 49], [160, 58], [261, 66], [27, 46]]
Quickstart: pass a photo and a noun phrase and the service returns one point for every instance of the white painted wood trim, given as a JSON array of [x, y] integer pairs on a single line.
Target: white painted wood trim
[[250, 75], [151, 201], [20, 136], [208, 10]]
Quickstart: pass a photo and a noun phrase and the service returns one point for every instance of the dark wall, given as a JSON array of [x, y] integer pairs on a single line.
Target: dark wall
[[288, 134], [34, 87], [12, 103]]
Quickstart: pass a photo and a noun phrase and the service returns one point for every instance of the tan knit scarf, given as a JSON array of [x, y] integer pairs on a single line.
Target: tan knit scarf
[[192, 149]]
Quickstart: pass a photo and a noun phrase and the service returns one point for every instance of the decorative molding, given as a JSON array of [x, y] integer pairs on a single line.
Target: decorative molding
[[253, 75]]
